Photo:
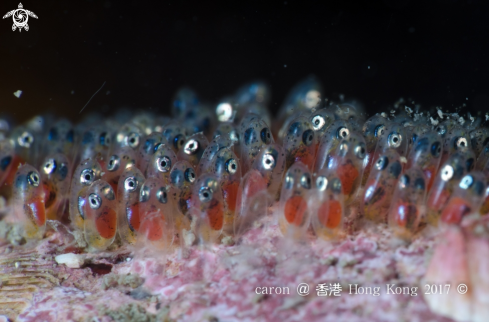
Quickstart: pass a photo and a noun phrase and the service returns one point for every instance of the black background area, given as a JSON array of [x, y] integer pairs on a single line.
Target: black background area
[[433, 51]]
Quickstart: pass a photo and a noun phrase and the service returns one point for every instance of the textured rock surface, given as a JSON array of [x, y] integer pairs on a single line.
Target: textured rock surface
[[218, 283]]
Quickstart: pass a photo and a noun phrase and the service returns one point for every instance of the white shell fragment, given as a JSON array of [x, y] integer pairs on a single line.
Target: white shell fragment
[[70, 260]]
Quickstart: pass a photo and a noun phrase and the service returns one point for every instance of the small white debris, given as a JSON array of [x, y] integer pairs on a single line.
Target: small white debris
[[70, 260], [393, 111], [466, 98], [383, 114], [487, 116], [433, 121], [472, 119], [403, 159], [342, 97], [17, 264], [368, 67], [18, 93], [188, 237], [408, 109], [440, 114], [461, 120]]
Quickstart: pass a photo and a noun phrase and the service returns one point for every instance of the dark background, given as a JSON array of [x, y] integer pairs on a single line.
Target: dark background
[[433, 51]]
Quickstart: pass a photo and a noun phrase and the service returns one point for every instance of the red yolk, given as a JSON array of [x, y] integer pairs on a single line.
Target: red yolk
[[49, 195], [295, 209], [347, 174], [152, 228], [456, 209], [106, 222], [329, 214], [215, 215], [132, 214], [230, 194], [36, 209]]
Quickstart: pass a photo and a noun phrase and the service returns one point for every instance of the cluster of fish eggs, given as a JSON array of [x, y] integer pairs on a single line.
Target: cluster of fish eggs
[[210, 171]]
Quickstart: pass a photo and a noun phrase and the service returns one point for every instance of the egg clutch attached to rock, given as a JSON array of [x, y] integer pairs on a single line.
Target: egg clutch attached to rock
[[208, 176]]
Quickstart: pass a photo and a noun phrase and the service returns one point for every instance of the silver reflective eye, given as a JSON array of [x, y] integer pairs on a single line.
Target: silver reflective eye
[[25, 140], [461, 142], [318, 122], [161, 195], [289, 182], [33, 178], [466, 182], [394, 140], [205, 194], [130, 184], [144, 194], [49, 166], [224, 112], [94, 201], [382, 163], [379, 130], [360, 151], [404, 181], [306, 181], [268, 162], [190, 175], [231, 166], [191, 147], [132, 140], [163, 164], [86, 177], [321, 183], [447, 172], [114, 163], [342, 132]]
